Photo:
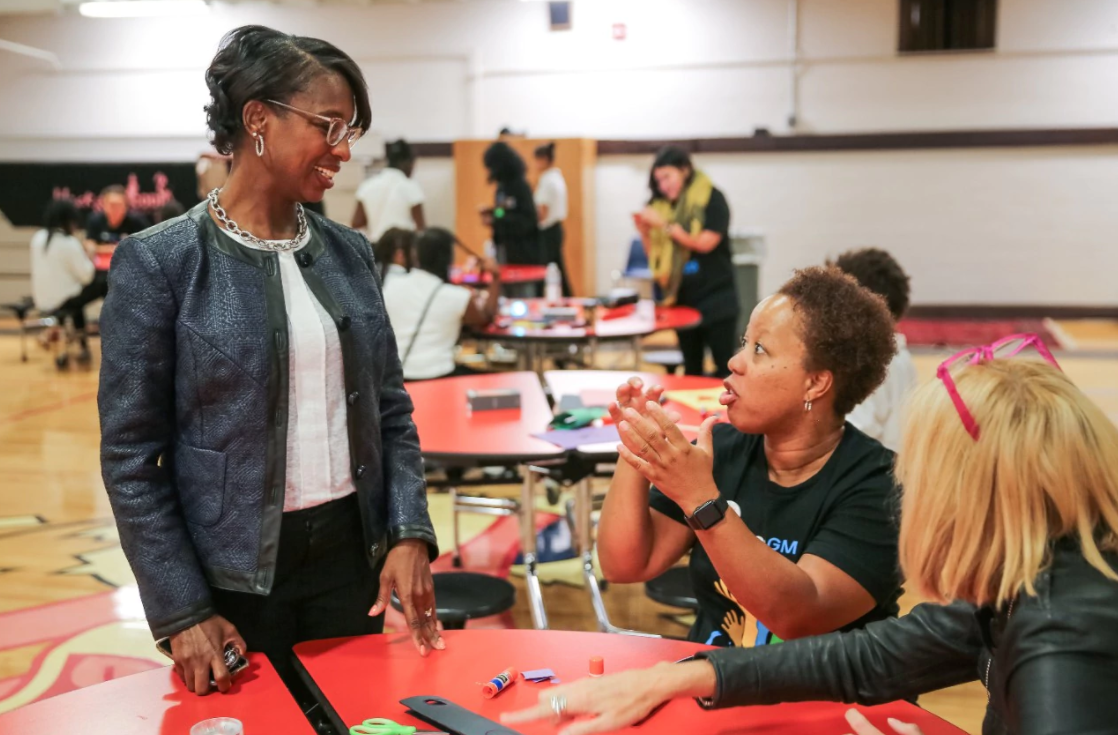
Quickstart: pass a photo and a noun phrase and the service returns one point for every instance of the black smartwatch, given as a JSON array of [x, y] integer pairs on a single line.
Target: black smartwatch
[[708, 515]]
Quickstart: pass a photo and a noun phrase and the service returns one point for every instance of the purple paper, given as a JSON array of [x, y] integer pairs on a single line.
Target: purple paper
[[539, 674], [574, 438]]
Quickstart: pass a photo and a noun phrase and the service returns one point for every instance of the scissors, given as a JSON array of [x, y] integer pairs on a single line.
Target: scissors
[[381, 726]]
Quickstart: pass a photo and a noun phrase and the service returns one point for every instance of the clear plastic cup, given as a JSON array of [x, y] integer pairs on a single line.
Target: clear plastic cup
[[218, 726]]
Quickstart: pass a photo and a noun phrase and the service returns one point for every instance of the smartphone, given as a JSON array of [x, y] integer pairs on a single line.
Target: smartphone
[[234, 661]]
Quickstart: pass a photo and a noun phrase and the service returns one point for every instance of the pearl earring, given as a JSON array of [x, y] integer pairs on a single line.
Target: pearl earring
[[807, 405]]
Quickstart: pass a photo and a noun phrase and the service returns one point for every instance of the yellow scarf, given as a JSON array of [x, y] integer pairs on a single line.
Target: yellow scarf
[[665, 257]]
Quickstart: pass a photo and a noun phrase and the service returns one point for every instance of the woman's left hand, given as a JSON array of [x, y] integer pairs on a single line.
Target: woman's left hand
[[656, 448], [408, 571], [862, 726]]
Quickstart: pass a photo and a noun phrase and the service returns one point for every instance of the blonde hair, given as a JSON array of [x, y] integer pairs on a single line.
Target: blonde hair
[[978, 517]]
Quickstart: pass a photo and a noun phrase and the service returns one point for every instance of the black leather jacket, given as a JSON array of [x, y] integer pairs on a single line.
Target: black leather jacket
[[193, 402], [1050, 665]]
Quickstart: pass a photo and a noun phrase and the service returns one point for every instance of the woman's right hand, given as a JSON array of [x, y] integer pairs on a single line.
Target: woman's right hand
[[633, 394], [616, 701], [199, 653]]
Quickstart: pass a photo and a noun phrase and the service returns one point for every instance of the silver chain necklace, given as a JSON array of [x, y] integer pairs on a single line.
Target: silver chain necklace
[[278, 245]]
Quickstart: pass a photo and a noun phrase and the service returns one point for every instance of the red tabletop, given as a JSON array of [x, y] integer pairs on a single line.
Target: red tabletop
[[367, 676], [156, 703], [450, 432], [510, 274], [623, 323], [103, 256]]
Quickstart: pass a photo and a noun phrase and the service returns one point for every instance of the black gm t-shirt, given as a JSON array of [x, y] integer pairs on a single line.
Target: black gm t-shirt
[[708, 278], [845, 514], [101, 232]]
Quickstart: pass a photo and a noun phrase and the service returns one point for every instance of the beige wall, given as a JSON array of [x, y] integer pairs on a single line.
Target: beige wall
[[1001, 226]]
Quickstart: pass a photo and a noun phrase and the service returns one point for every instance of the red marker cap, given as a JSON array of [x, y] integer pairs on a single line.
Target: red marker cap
[[597, 666]]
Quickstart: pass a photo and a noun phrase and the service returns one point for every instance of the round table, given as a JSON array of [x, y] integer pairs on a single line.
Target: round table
[[453, 435], [510, 275], [364, 677], [157, 703], [522, 320]]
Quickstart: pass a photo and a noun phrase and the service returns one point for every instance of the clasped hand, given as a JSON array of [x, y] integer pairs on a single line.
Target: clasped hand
[[653, 445]]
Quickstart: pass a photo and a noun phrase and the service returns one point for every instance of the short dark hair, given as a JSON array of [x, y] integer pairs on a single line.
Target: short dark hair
[[60, 216], [847, 329], [547, 150], [504, 164], [399, 153], [259, 63], [434, 252], [878, 271], [114, 189], [669, 155], [395, 240]]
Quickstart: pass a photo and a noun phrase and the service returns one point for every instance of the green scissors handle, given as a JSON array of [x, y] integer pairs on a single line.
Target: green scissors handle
[[381, 726]]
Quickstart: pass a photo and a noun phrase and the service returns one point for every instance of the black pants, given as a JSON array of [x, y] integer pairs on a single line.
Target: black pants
[[74, 307], [721, 337], [323, 589], [551, 242]]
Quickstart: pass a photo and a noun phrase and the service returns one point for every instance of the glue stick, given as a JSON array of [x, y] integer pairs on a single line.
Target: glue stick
[[499, 683]]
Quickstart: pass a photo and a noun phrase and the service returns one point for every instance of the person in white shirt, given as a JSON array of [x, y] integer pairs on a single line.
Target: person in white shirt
[[551, 202], [880, 416], [427, 313], [391, 198], [62, 273]]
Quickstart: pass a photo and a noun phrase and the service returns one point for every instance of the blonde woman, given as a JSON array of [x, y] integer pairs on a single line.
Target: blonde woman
[[1010, 522]]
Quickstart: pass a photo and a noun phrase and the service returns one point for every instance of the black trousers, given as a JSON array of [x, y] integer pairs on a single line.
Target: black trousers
[[323, 588], [74, 307], [721, 337], [551, 242]]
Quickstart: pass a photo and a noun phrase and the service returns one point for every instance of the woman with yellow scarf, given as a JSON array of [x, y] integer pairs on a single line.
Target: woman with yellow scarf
[[686, 232]]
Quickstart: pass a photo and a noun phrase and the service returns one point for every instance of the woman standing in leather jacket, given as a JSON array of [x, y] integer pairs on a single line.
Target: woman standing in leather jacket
[[257, 443], [1011, 511]]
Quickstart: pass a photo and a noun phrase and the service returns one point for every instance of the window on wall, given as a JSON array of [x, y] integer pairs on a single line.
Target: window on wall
[[947, 25]]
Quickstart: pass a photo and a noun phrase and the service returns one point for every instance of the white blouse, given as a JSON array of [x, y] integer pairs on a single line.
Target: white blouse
[[318, 462]]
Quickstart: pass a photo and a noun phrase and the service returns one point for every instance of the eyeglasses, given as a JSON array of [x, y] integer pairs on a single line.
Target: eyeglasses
[[336, 129], [1005, 347]]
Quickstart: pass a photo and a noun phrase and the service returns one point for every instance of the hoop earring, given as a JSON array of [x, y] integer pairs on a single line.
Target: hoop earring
[[807, 405], [259, 143]]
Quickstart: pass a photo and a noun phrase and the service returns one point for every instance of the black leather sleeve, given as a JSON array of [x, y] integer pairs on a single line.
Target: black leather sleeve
[[1064, 694], [932, 647], [136, 401]]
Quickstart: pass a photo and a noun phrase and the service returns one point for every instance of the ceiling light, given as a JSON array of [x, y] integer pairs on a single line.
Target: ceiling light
[[142, 8]]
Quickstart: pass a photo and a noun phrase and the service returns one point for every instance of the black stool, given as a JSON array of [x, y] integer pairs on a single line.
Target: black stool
[[673, 588], [462, 596]]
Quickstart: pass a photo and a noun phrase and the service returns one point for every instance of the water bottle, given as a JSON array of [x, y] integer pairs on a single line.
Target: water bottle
[[553, 284]]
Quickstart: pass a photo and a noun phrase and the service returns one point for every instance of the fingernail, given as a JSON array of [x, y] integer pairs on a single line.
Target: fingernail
[[440, 644], [624, 426]]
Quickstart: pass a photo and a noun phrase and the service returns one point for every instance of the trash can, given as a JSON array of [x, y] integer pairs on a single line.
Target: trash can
[[748, 253]]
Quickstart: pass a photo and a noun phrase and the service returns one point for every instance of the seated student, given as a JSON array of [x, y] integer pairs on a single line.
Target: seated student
[[394, 252], [1009, 519], [427, 313], [879, 415], [810, 544], [62, 273], [114, 221]]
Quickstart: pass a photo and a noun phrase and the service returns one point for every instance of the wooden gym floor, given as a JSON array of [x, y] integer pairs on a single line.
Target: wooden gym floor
[[58, 545]]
